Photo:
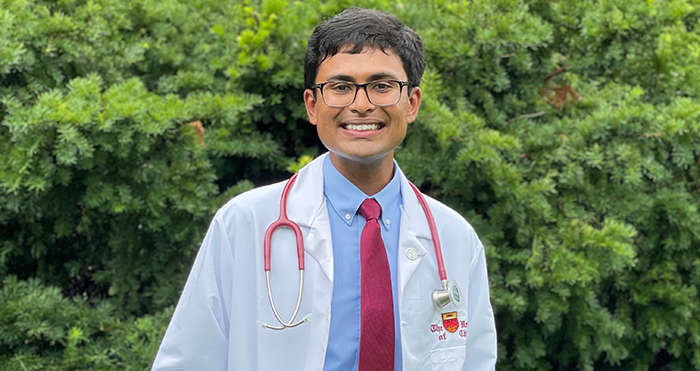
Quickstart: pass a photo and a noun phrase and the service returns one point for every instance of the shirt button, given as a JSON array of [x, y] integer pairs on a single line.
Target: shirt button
[[411, 253], [387, 221], [348, 216]]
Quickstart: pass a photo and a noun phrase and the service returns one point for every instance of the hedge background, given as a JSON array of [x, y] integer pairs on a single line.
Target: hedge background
[[568, 133]]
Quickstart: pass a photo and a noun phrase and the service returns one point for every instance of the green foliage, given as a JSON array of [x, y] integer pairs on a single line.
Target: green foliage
[[88, 165], [41, 330], [568, 133], [121, 135]]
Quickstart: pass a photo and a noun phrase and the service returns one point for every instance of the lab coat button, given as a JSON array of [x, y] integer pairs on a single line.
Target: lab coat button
[[411, 253]]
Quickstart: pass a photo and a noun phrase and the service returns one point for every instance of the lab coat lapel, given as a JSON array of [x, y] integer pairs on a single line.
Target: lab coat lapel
[[307, 207], [413, 234]]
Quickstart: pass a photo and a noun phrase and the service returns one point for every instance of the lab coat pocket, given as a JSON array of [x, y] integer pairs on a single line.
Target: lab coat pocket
[[448, 359]]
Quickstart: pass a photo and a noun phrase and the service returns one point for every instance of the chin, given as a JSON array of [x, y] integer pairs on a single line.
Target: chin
[[362, 157]]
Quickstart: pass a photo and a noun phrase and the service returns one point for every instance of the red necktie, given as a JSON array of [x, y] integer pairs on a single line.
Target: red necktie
[[376, 302]]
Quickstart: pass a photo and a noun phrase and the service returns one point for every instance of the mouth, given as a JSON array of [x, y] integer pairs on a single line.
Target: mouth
[[362, 126]]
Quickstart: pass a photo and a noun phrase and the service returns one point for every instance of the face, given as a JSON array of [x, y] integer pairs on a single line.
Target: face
[[344, 131]]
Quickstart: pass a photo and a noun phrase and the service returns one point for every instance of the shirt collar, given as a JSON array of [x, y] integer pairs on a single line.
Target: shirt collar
[[346, 198]]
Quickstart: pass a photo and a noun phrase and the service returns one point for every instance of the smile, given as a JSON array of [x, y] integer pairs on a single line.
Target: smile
[[361, 127]]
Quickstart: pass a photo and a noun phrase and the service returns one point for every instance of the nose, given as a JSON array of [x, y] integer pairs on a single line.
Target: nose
[[362, 103]]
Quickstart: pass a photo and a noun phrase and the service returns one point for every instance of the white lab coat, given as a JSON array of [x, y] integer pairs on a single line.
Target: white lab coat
[[216, 325]]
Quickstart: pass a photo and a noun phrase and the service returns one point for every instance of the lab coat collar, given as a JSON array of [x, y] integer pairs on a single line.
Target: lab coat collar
[[306, 197], [414, 236], [414, 218], [307, 207]]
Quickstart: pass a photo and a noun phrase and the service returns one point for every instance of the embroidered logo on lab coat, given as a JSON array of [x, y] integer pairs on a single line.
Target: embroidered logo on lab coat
[[453, 326], [450, 321]]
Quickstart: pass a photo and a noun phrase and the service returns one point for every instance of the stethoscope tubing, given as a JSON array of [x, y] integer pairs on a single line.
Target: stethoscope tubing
[[440, 297], [284, 221], [433, 232]]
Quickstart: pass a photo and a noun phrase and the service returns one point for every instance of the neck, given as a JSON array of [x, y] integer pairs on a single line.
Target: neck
[[370, 177]]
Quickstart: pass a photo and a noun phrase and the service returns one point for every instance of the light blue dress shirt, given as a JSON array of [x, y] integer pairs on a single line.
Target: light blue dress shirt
[[343, 200]]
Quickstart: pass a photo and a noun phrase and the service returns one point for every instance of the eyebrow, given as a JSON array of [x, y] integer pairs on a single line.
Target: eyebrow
[[372, 77]]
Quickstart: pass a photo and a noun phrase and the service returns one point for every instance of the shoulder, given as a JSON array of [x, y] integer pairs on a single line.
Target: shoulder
[[250, 203]]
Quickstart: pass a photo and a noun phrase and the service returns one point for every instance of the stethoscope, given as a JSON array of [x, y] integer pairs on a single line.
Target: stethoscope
[[449, 292]]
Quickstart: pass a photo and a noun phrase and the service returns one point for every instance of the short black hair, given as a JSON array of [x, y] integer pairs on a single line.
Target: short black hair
[[354, 29]]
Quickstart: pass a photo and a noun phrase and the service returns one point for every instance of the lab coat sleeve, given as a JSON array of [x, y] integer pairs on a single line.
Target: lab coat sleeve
[[481, 333], [197, 337]]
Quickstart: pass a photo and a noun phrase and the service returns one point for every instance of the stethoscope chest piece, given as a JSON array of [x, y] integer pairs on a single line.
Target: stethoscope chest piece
[[450, 293]]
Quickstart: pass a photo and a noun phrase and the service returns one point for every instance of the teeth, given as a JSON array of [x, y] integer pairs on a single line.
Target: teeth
[[362, 127]]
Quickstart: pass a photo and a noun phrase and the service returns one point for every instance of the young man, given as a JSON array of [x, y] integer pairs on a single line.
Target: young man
[[371, 266]]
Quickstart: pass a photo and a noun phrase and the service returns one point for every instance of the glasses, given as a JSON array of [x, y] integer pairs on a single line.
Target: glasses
[[380, 93]]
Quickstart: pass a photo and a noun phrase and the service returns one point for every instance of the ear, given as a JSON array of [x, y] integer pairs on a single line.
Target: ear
[[414, 104], [310, 103]]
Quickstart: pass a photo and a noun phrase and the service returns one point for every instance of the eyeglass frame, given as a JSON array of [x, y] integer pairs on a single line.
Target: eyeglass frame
[[357, 88]]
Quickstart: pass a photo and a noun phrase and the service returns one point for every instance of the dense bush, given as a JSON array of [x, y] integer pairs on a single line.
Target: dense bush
[[568, 133], [45, 331]]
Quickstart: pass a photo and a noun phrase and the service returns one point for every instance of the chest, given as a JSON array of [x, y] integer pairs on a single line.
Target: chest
[[430, 338]]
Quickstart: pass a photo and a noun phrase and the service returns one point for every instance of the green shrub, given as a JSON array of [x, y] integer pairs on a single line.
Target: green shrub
[[42, 330]]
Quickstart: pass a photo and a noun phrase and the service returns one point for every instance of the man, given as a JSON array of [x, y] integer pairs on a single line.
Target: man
[[370, 264]]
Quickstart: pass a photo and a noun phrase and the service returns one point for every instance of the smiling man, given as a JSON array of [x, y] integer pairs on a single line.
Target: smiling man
[[362, 130], [365, 285]]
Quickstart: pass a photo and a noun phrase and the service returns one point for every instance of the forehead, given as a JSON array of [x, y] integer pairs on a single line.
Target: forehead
[[369, 64]]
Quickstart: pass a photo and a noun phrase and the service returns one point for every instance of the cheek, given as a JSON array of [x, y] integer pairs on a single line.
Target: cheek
[[326, 114]]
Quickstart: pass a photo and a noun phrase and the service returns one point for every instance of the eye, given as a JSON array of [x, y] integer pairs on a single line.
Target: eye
[[383, 86], [339, 88]]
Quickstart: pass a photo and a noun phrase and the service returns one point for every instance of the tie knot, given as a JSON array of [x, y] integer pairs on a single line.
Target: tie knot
[[370, 209]]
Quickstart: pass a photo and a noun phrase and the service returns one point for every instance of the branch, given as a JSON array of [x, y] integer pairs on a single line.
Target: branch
[[527, 116], [560, 70]]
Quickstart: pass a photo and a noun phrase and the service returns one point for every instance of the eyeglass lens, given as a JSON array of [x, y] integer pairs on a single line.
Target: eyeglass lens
[[379, 93]]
